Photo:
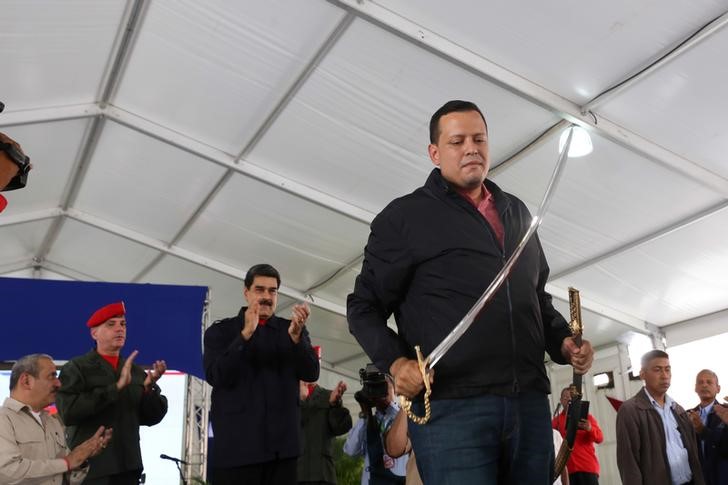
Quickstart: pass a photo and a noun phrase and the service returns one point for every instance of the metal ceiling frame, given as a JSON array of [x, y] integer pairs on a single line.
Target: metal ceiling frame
[[403, 28], [562, 107]]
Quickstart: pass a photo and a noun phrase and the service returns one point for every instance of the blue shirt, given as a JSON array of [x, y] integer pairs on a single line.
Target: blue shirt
[[356, 443], [677, 454], [704, 412]]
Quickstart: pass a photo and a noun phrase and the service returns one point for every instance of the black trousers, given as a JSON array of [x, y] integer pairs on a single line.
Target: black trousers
[[126, 478], [583, 478], [276, 472]]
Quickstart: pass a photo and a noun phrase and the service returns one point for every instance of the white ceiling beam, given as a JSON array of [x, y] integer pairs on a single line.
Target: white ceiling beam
[[696, 328], [126, 37], [26, 217], [492, 72], [255, 172], [687, 45], [47, 115], [600, 309], [653, 236], [118, 55], [193, 257], [64, 270], [16, 266], [242, 167]]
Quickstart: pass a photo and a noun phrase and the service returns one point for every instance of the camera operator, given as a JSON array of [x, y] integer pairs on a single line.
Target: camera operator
[[368, 435], [14, 165]]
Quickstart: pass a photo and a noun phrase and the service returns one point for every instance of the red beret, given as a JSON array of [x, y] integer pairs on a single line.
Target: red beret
[[104, 313]]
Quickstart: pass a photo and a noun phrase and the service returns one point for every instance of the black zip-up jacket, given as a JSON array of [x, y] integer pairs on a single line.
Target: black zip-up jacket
[[429, 257], [255, 412]]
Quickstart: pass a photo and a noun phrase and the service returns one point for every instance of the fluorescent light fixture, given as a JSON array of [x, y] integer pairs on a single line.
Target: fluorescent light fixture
[[581, 143]]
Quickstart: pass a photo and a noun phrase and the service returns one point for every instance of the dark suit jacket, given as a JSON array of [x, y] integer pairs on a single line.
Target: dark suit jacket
[[713, 448], [255, 390]]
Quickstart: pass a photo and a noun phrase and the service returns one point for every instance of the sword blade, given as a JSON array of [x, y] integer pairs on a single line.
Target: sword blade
[[503, 274]]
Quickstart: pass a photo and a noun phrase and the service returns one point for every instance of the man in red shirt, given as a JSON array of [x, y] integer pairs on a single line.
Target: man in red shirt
[[583, 465]]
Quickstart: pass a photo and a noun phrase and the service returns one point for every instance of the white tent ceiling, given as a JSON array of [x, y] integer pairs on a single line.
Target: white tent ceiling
[[183, 141]]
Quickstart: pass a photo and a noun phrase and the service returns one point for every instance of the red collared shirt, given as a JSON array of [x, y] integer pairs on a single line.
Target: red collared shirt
[[489, 211]]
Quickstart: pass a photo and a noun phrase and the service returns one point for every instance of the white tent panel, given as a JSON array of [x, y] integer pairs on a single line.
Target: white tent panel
[[570, 48], [604, 200], [332, 327], [358, 129], [226, 293], [213, 69], [666, 281], [691, 123], [250, 222], [53, 161], [98, 253], [56, 53], [598, 329], [20, 241], [338, 288], [144, 184]]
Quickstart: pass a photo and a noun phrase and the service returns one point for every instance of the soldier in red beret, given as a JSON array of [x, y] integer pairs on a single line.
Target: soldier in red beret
[[101, 388]]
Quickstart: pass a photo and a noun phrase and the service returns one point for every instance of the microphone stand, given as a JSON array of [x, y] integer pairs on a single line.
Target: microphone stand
[[181, 475], [177, 462]]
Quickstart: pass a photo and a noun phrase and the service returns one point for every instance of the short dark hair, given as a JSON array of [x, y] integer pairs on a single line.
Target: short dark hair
[[27, 364], [653, 354], [454, 106], [261, 270]]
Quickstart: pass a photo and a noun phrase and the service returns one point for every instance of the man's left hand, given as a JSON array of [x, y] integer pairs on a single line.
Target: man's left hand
[[580, 358], [158, 369], [584, 424], [298, 321], [336, 394], [722, 412]]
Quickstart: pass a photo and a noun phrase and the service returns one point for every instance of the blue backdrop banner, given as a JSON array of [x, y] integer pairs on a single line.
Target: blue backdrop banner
[[164, 322]]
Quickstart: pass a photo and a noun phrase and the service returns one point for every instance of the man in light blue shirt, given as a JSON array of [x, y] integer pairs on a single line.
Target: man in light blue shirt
[[656, 442]]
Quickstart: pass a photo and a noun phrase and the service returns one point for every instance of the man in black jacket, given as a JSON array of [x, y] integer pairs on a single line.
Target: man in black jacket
[[429, 257], [254, 363]]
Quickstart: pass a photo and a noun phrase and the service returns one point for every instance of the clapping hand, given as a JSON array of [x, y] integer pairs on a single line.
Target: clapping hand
[[336, 394], [158, 369], [298, 321]]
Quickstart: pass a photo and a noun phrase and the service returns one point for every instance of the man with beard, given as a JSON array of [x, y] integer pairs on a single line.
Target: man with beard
[[712, 431], [254, 362], [101, 388], [655, 440]]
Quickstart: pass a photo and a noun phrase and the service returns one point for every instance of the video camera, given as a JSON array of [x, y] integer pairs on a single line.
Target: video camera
[[18, 158], [374, 386]]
